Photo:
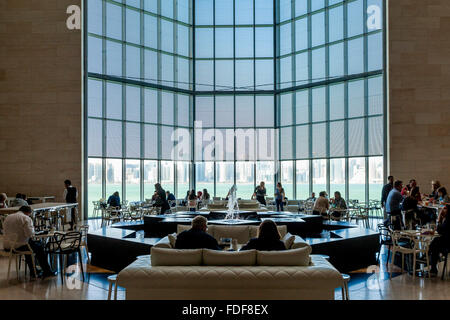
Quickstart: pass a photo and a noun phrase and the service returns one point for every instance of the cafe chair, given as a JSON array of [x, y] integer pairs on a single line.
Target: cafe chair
[[419, 245], [112, 281], [309, 206], [375, 208], [84, 231], [111, 215], [385, 240], [397, 247], [361, 214], [134, 214], [338, 215], [97, 209], [17, 255], [152, 211], [63, 245]]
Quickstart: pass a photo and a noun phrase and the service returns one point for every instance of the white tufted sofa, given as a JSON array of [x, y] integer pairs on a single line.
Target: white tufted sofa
[[315, 279], [314, 282]]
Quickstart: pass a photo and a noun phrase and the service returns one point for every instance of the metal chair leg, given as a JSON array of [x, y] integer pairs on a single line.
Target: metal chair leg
[[109, 290], [61, 266], [34, 265], [17, 267], [444, 268], [389, 253], [391, 265], [87, 254], [81, 262], [347, 295], [9, 267]]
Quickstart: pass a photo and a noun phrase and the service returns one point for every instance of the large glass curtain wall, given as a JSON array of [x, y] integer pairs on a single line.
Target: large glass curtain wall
[[331, 102], [139, 97], [207, 93]]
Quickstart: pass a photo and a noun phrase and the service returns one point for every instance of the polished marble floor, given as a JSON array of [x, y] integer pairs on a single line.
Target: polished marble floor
[[366, 284]]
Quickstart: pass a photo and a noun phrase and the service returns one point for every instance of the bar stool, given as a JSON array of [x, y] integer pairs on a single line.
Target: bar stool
[[112, 280], [345, 293]]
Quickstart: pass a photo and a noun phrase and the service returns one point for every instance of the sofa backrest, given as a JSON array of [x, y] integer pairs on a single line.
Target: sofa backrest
[[242, 233], [206, 257], [254, 231]]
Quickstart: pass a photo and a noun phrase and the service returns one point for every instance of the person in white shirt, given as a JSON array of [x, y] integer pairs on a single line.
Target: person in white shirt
[[20, 225]]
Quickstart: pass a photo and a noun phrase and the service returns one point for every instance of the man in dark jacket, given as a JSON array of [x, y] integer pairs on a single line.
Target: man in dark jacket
[[161, 200], [196, 237], [71, 195], [385, 192]]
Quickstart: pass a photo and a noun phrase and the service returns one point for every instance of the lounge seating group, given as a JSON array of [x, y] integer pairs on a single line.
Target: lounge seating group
[[196, 274]]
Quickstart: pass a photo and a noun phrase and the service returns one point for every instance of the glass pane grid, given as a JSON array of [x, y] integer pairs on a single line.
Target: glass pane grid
[[154, 52]]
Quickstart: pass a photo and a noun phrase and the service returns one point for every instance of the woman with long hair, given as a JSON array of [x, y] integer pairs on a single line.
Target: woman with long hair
[[268, 238], [192, 201], [443, 195], [206, 195]]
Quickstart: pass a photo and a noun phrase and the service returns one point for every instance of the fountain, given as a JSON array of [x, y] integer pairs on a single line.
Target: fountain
[[233, 215], [233, 206]]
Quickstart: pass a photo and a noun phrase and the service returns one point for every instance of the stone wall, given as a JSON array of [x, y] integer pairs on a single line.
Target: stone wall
[[40, 98], [419, 90]]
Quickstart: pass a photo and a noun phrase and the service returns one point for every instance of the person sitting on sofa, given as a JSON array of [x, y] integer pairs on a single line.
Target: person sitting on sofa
[[268, 238], [196, 237]]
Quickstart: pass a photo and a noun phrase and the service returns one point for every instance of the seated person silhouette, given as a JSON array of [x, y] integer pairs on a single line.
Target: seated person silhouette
[[268, 238], [196, 237]]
